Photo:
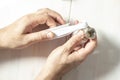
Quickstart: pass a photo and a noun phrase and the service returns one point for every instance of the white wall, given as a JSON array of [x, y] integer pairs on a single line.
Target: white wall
[[103, 15]]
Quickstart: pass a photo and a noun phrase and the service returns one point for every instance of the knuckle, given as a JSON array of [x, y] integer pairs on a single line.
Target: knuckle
[[51, 21], [46, 16], [27, 17], [43, 18], [74, 41], [45, 10], [42, 36], [62, 49], [65, 48]]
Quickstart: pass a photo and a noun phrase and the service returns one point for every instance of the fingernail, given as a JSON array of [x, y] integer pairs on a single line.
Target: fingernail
[[50, 35]]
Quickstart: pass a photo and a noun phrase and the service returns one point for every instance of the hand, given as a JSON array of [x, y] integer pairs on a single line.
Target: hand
[[66, 57], [20, 33]]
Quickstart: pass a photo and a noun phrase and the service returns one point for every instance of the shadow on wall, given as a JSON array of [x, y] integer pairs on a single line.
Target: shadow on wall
[[103, 62]]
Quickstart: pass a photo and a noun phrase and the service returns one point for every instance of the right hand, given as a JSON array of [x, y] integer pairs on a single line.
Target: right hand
[[20, 33], [66, 57]]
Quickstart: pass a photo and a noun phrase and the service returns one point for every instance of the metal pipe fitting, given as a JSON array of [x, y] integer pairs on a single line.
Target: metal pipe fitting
[[90, 33]]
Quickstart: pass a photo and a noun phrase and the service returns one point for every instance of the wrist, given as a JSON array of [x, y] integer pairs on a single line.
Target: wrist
[[46, 74]]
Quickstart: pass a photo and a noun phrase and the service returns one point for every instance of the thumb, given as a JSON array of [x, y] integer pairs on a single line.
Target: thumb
[[40, 36], [73, 41]]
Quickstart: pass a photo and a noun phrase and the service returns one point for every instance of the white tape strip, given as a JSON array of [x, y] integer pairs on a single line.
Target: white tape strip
[[67, 29]]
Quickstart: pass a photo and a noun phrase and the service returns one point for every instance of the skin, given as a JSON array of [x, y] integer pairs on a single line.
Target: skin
[[62, 59], [21, 31], [66, 57]]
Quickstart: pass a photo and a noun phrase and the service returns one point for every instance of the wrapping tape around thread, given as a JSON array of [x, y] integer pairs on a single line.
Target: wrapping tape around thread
[[68, 28]]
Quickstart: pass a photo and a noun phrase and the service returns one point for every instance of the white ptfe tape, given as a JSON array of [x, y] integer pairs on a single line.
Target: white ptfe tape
[[67, 29]]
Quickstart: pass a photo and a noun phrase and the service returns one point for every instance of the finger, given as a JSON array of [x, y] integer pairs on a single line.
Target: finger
[[77, 47], [39, 36], [73, 41], [50, 22], [57, 17], [53, 14], [34, 19], [82, 53], [90, 46]]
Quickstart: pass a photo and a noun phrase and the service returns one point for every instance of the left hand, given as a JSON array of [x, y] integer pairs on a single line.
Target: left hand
[[20, 33]]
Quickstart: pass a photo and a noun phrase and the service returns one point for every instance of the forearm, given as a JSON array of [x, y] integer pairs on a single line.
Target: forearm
[[45, 74], [1, 39]]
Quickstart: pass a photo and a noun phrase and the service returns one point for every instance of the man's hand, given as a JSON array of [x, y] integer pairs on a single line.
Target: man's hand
[[20, 33], [66, 57]]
